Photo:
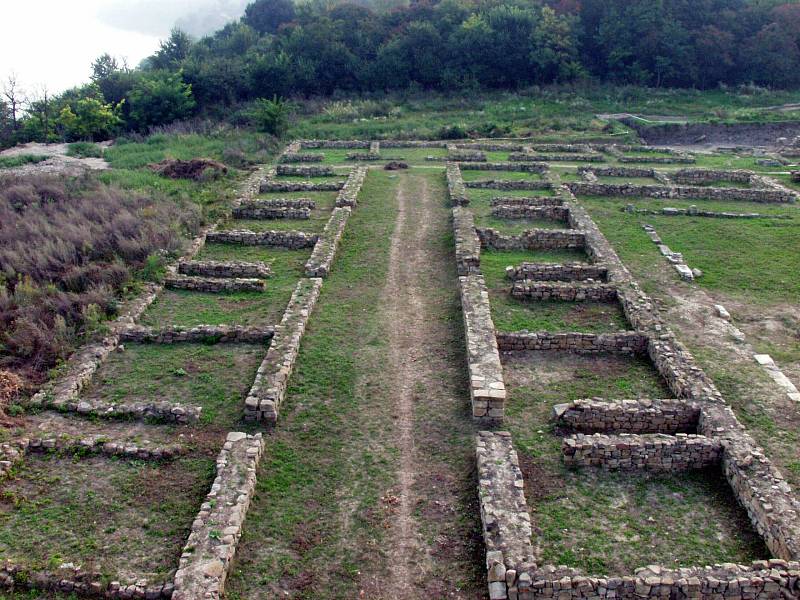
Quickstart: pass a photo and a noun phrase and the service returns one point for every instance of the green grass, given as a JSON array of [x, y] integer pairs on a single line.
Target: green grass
[[629, 180], [480, 205], [746, 259], [315, 224], [469, 175], [318, 507], [125, 519], [84, 150], [606, 523], [216, 377], [20, 160], [510, 314], [186, 308]]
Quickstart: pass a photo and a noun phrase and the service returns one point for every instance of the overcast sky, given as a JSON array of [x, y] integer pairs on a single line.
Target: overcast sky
[[54, 42]]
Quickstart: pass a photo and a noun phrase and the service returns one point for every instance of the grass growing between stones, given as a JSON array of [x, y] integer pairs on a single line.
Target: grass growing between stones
[[510, 314], [605, 523], [315, 224], [126, 519], [188, 308], [216, 377], [317, 527], [475, 175], [744, 258]]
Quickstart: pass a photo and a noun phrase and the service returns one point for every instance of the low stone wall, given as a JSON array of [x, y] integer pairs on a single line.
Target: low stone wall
[[491, 146], [274, 185], [626, 343], [363, 156], [63, 392], [217, 528], [540, 168], [654, 452], [249, 211], [569, 157], [701, 176], [305, 170], [504, 512], [214, 285], [526, 201], [462, 154], [487, 389], [628, 416], [291, 240], [278, 203], [683, 192], [557, 272], [618, 171], [507, 184], [569, 148], [225, 269], [675, 156], [455, 186], [297, 157], [468, 246], [551, 213], [693, 211], [765, 580], [321, 260], [348, 195], [202, 334], [76, 582], [533, 239], [564, 291], [269, 388]]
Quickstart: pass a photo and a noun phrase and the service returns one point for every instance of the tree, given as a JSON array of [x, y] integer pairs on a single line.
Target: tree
[[271, 116], [103, 67], [89, 119], [158, 99], [555, 47], [172, 51], [266, 16], [14, 99]]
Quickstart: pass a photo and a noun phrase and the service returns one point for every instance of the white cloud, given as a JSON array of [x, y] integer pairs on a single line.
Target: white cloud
[[53, 43]]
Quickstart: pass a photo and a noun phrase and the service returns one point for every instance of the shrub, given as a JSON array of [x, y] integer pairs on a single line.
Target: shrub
[[89, 239], [159, 99], [10, 162], [270, 116], [84, 150]]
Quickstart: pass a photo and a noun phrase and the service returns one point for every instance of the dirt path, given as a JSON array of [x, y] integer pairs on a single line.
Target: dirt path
[[430, 548]]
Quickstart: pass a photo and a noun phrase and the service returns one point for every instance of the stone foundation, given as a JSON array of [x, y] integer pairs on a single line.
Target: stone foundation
[[628, 416], [233, 269], [296, 157], [507, 184], [625, 343], [654, 452], [487, 390], [549, 213], [348, 195], [569, 157], [526, 201], [683, 192], [321, 260], [272, 203], [564, 291], [702, 176], [291, 240], [249, 211], [273, 185], [304, 171], [533, 239], [693, 211], [269, 388], [468, 246], [207, 556], [540, 168], [200, 334], [557, 272], [214, 285], [455, 186]]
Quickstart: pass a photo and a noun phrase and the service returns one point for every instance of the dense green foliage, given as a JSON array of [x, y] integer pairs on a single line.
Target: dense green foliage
[[280, 49]]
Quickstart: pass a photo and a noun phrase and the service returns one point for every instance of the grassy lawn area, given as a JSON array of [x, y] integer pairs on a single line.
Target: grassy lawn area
[[747, 259], [216, 377], [475, 175], [607, 523], [123, 518]]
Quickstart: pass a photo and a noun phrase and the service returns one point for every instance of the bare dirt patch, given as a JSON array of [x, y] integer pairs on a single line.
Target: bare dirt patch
[[58, 163]]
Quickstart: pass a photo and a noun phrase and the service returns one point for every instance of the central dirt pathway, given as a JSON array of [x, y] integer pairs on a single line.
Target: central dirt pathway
[[432, 540]]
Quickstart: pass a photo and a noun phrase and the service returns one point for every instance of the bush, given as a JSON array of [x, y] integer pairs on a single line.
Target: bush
[[89, 239], [84, 150], [270, 116], [10, 162], [159, 99]]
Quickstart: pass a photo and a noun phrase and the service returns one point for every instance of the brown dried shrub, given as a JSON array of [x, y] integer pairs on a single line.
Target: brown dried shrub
[[197, 169]]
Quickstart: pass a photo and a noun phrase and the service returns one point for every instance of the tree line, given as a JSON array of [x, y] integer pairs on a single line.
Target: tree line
[[280, 49]]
